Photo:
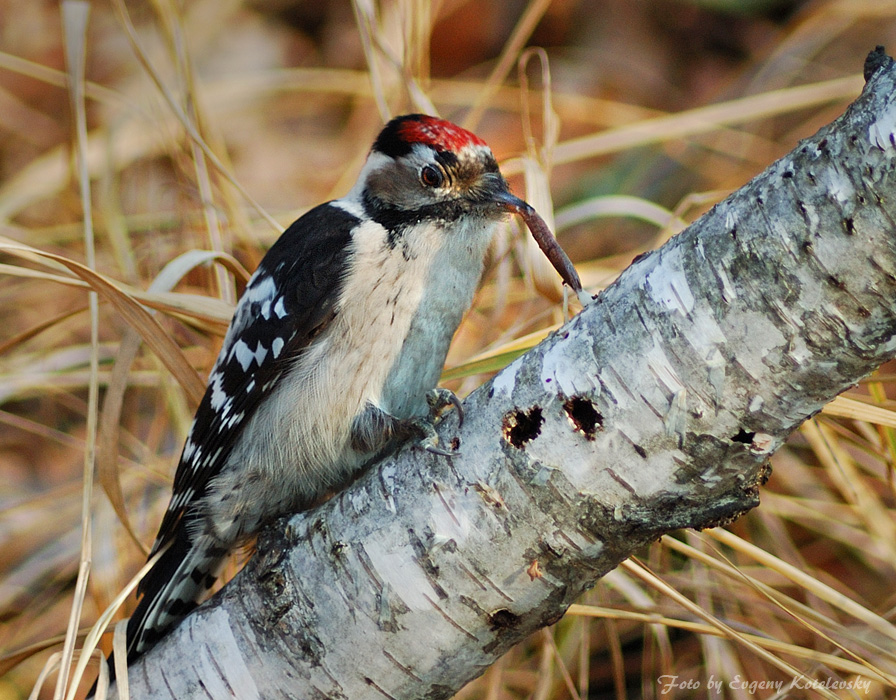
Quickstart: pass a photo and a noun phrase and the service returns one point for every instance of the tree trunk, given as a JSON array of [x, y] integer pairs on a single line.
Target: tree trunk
[[654, 409]]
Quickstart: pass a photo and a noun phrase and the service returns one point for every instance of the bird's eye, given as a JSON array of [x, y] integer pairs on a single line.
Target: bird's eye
[[431, 177]]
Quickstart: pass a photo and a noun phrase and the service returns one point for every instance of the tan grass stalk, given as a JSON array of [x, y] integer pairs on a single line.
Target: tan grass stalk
[[655, 618], [93, 636], [797, 610], [509, 55], [537, 171], [639, 570], [854, 409], [138, 317], [704, 119], [804, 580], [843, 472], [188, 125], [193, 109], [74, 21]]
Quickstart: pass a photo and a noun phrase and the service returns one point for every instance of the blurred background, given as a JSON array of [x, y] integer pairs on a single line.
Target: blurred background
[[212, 124]]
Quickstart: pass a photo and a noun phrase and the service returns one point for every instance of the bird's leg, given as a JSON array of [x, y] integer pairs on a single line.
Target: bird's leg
[[373, 428], [438, 399]]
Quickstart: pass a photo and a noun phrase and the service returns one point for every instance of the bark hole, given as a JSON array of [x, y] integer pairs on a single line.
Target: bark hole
[[584, 416], [744, 436], [503, 619], [522, 426]]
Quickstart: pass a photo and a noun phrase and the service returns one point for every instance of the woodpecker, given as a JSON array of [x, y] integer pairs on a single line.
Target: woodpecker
[[334, 352]]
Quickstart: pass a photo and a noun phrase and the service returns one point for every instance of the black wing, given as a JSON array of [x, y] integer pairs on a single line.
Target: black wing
[[289, 300]]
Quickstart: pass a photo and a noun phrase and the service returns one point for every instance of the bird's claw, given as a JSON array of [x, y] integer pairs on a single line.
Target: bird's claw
[[440, 398], [429, 438], [432, 449]]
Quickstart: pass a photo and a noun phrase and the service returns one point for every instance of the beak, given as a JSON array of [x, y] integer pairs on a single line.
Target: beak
[[544, 238], [513, 204]]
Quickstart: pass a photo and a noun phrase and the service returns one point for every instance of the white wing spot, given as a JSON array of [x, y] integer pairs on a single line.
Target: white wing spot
[[233, 420], [280, 308], [277, 347], [266, 310], [264, 288], [212, 458], [245, 356], [219, 396], [261, 352], [181, 499]]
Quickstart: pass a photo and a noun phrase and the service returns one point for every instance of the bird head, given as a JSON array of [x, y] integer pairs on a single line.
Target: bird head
[[428, 168], [425, 169]]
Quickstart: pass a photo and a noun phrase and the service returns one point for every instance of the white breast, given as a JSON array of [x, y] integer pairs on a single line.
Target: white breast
[[398, 310]]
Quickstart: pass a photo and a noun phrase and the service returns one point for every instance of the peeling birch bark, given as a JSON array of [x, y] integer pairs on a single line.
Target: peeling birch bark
[[654, 409]]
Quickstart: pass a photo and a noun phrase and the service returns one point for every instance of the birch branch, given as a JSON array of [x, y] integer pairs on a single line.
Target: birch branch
[[654, 409]]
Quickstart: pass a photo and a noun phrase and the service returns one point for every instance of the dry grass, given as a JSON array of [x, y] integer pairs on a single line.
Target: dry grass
[[202, 129]]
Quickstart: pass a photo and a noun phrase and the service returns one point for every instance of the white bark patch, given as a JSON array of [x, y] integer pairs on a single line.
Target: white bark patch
[[757, 336], [505, 382], [840, 187], [764, 443], [716, 364], [450, 518], [589, 548], [399, 569], [811, 296], [731, 219], [562, 375], [705, 335], [388, 475], [676, 418], [711, 476], [882, 131], [655, 476], [729, 292], [575, 461], [658, 363], [798, 351], [222, 668], [668, 286], [812, 218]]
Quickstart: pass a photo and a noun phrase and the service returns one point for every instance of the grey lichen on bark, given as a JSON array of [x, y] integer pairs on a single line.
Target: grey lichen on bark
[[656, 408]]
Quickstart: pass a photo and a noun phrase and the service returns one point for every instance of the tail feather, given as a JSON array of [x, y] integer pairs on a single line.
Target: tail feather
[[171, 590]]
